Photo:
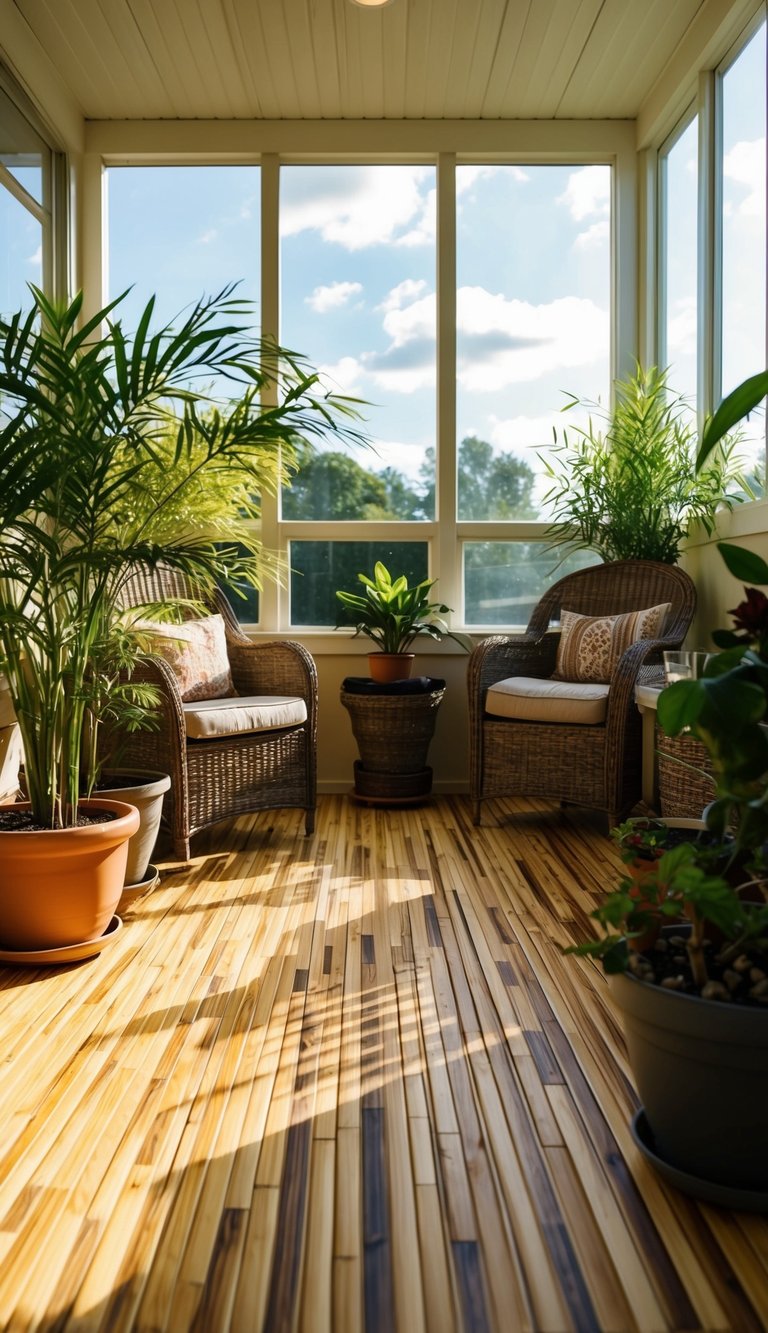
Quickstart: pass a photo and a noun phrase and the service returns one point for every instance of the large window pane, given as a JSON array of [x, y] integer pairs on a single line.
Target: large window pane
[[680, 167], [21, 253], [358, 298], [319, 568], [743, 229], [503, 581], [181, 233], [533, 314]]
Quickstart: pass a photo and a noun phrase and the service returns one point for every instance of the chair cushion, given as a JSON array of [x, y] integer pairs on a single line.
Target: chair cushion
[[208, 718], [535, 700], [196, 652], [590, 646]]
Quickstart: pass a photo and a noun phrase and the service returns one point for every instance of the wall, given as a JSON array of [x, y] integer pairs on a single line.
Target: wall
[[717, 589]]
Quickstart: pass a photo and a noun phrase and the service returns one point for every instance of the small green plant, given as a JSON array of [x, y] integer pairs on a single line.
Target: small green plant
[[626, 486], [392, 614]]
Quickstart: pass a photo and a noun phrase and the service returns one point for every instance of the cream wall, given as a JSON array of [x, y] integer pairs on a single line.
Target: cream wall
[[717, 590]]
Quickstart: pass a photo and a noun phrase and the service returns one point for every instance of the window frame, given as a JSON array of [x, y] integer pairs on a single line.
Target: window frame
[[445, 146]]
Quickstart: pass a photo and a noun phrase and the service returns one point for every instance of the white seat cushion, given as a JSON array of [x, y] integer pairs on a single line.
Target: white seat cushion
[[208, 718], [548, 700]]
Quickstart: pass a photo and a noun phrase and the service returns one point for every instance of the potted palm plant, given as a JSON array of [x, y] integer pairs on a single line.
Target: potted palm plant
[[695, 1002], [392, 613], [89, 419], [626, 485]]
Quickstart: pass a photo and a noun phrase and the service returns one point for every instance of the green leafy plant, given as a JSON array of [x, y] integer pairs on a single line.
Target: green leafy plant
[[626, 486], [111, 456], [724, 710], [392, 614]]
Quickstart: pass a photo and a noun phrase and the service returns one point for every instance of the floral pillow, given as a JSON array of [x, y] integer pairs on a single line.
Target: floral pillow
[[590, 646], [196, 651]]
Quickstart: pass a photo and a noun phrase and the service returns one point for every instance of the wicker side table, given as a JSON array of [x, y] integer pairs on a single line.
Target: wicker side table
[[393, 730], [686, 785]]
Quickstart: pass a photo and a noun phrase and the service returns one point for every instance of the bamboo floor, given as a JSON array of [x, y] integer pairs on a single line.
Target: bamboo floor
[[349, 1084]]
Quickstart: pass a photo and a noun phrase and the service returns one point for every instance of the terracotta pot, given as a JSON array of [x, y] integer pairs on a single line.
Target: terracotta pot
[[386, 667], [145, 790], [61, 886]]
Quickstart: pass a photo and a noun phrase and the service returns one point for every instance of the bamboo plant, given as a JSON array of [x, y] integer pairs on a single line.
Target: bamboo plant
[[110, 452]]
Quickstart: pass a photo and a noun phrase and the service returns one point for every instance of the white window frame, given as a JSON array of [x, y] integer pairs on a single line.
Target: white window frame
[[445, 144]]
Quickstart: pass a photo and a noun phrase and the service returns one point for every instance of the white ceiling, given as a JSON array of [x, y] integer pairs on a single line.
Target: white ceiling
[[331, 59]]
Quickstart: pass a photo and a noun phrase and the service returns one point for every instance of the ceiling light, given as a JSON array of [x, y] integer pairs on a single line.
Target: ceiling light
[[372, 4]]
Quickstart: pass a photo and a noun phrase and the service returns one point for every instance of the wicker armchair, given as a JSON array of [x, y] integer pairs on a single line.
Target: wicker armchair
[[598, 766], [216, 779]]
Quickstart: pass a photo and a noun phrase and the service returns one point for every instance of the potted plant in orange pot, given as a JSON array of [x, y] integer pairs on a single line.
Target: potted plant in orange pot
[[105, 448], [392, 614]]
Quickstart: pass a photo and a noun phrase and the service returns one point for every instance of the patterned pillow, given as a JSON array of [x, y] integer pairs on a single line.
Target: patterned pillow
[[196, 651], [590, 646]]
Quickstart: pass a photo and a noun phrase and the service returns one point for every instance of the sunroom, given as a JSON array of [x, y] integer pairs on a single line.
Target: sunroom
[[336, 1073]]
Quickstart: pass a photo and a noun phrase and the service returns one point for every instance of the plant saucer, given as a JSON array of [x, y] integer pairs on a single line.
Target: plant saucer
[[132, 892], [66, 953], [709, 1191]]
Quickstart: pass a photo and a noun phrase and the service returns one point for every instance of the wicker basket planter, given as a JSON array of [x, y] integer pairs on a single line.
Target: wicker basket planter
[[393, 734], [685, 782]]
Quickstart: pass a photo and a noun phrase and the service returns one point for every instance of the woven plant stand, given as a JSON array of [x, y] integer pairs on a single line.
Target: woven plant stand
[[685, 783], [393, 734]]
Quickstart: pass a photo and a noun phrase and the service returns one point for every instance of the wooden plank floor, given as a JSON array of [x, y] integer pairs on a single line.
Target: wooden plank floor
[[348, 1084]]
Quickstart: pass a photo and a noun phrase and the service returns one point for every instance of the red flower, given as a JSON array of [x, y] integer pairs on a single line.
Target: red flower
[[752, 614]]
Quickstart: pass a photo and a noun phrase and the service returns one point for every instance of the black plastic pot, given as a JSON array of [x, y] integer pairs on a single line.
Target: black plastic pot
[[701, 1069]]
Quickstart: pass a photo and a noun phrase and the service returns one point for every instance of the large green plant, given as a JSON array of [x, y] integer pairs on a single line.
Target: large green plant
[[726, 710], [108, 449], [393, 613], [626, 486]]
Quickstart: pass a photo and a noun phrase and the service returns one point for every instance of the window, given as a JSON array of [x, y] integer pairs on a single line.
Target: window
[[533, 323], [24, 215], [181, 232], [357, 267], [743, 229], [357, 248], [679, 259]]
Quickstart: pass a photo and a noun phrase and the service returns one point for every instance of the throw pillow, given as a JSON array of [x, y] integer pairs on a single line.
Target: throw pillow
[[196, 652], [590, 646]]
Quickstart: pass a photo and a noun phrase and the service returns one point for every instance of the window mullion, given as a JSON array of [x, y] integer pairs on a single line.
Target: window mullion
[[273, 604], [446, 555]]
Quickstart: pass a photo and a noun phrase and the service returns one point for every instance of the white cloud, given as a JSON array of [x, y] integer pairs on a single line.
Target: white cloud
[[343, 376], [425, 229], [594, 237], [37, 257], [367, 206], [466, 175], [206, 237], [331, 297], [588, 193], [509, 342], [744, 165], [407, 290]]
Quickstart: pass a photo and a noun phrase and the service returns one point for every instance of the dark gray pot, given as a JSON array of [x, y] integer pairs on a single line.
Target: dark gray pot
[[701, 1069]]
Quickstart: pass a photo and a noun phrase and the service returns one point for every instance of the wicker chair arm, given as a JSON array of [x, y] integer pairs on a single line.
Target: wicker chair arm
[[272, 668], [505, 655]]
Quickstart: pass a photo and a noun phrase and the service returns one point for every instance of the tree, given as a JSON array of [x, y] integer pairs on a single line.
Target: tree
[[490, 485], [333, 486]]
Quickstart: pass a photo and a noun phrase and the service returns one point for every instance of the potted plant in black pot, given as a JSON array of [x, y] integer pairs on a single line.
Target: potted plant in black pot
[[694, 998], [90, 421]]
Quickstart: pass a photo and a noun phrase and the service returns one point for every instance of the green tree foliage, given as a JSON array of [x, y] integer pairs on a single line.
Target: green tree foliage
[[491, 485]]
